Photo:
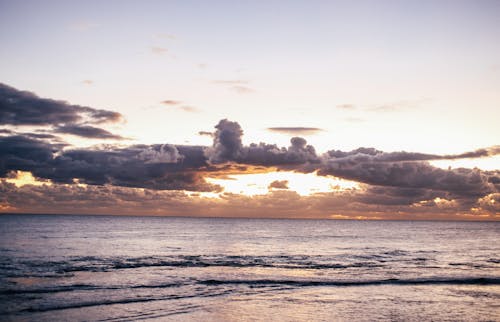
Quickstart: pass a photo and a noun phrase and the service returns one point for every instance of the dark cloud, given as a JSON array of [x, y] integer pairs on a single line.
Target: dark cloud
[[42, 136], [159, 167], [402, 171], [101, 116], [487, 152], [87, 131], [295, 130], [39, 134], [228, 147], [227, 144], [25, 108], [398, 182], [24, 153], [380, 156], [393, 172], [279, 184]]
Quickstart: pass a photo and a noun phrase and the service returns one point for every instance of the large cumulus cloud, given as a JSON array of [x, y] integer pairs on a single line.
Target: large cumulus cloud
[[228, 147]]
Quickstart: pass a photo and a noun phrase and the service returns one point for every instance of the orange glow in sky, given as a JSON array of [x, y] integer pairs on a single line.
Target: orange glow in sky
[[304, 184]]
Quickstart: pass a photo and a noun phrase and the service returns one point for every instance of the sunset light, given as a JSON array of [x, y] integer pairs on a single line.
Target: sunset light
[[222, 160], [262, 183]]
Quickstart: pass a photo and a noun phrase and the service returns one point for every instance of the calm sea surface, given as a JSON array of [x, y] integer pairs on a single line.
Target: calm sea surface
[[103, 268]]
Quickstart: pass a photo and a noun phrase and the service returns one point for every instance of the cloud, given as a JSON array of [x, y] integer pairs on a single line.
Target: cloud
[[480, 153], [171, 102], [166, 154], [232, 82], [390, 182], [190, 109], [490, 203], [87, 131], [279, 184], [242, 89], [296, 130], [186, 164], [25, 108], [20, 152], [381, 156], [158, 50], [406, 170], [227, 142], [398, 105], [84, 25], [177, 105], [278, 203], [40, 136], [228, 147], [346, 106], [158, 167], [235, 85]]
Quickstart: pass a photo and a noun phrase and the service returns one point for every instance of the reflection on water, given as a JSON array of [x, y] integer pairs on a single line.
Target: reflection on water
[[127, 268]]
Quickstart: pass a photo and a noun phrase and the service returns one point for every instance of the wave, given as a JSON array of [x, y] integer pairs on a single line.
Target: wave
[[39, 268], [231, 263], [391, 281], [120, 301], [264, 282], [83, 287], [96, 303], [65, 288]]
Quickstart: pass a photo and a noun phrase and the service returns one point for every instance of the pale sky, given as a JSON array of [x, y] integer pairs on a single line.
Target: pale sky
[[417, 76]]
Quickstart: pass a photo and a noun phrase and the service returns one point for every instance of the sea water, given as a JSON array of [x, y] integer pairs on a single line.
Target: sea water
[[117, 268]]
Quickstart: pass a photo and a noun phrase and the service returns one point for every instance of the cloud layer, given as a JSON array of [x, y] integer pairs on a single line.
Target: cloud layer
[[391, 182]]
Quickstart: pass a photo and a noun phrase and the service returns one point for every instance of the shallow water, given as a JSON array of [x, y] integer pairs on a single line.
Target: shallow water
[[106, 268]]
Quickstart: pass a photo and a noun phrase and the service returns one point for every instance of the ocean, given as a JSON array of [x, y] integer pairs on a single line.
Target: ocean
[[117, 268]]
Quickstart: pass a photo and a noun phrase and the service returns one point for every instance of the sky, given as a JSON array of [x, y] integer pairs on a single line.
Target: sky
[[286, 109]]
